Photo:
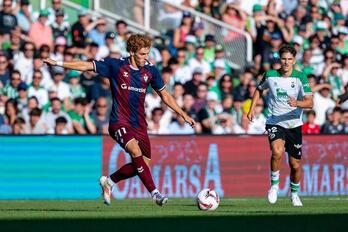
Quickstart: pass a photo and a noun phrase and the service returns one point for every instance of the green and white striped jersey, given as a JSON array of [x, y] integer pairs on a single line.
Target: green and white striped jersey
[[280, 89]]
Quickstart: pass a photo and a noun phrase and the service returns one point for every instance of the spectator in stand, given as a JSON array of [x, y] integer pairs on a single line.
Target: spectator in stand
[[207, 114], [345, 120], [80, 29], [241, 91], [121, 36], [81, 120], [209, 48], [56, 6], [101, 116], [99, 32], [185, 29], [334, 125], [76, 89], [18, 126], [331, 76], [60, 27], [60, 86], [25, 60], [59, 48], [10, 90], [179, 126], [155, 126], [36, 124], [24, 16], [22, 98], [11, 111], [39, 32], [199, 62], [55, 112], [192, 85], [8, 21], [236, 17], [188, 107], [4, 70], [207, 7], [178, 92], [309, 127], [223, 125], [61, 127], [322, 102], [183, 72], [201, 99], [104, 50]]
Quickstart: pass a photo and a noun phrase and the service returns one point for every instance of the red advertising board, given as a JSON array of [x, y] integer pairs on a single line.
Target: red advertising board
[[232, 165]]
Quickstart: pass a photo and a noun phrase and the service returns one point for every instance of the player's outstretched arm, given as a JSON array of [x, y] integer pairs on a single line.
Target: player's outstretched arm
[[254, 101], [76, 65], [170, 101]]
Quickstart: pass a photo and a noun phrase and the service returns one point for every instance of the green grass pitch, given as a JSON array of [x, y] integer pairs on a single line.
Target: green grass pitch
[[233, 214]]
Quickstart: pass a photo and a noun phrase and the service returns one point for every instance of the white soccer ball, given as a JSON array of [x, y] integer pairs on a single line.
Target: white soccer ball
[[208, 200]]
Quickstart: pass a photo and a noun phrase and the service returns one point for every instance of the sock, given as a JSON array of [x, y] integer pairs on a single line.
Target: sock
[[275, 178], [154, 192], [144, 173], [294, 188], [125, 172]]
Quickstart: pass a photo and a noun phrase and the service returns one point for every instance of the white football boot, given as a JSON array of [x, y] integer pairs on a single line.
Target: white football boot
[[159, 199], [295, 200], [106, 189], [273, 194]]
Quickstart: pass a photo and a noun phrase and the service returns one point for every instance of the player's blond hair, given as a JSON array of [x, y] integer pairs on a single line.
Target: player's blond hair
[[137, 41]]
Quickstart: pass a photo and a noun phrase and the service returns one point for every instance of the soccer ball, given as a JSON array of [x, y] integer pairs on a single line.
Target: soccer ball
[[208, 200]]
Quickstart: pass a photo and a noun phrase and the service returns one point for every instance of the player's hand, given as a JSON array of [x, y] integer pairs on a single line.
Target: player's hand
[[190, 121], [49, 61], [251, 115], [292, 102]]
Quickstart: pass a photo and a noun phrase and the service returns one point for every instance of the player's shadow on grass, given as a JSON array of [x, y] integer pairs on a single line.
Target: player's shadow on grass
[[274, 223]]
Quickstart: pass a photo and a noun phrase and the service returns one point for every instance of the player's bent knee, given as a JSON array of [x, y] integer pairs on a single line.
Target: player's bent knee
[[277, 152], [133, 148], [295, 164]]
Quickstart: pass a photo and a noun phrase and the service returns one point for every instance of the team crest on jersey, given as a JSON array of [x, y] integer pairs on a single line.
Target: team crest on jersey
[[292, 85], [125, 74], [145, 78]]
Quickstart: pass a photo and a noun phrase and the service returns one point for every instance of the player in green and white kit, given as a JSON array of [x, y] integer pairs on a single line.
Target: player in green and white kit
[[288, 93]]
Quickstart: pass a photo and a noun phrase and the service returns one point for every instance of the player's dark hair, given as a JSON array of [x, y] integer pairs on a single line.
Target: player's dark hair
[[137, 42], [287, 48], [119, 22]]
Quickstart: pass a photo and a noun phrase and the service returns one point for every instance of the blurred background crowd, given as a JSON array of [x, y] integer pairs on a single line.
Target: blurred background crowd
[[37, 99]]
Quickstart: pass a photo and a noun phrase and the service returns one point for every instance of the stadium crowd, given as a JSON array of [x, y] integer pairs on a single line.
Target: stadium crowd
[[36, 99]]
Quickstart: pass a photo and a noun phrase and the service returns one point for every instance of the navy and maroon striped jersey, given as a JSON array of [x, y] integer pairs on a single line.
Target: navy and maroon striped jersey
[[128, 88]]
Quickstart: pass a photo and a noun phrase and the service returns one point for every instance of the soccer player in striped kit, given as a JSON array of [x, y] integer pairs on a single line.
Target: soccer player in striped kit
[[129, 78], [288, 94]]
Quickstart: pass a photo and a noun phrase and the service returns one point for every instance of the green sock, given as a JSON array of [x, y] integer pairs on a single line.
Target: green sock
[[275, 178], [294, 187]]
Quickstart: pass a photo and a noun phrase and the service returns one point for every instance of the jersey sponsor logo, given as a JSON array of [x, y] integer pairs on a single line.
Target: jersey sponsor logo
[[281, 93], [298, 146], [131, 88]]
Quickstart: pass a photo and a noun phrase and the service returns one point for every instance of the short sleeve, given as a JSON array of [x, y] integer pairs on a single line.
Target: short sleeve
[[263, 85], [306, 89], [157, 82], [103, 66]]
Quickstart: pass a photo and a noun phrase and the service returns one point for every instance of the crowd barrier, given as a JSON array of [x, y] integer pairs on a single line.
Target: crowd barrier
[[68, 167]]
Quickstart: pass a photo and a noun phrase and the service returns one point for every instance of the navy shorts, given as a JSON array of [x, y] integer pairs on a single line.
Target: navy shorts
[[122, 134], [292, 138]]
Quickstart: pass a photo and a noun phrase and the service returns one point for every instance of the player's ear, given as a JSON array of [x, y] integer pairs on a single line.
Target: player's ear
[[131, 53]]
